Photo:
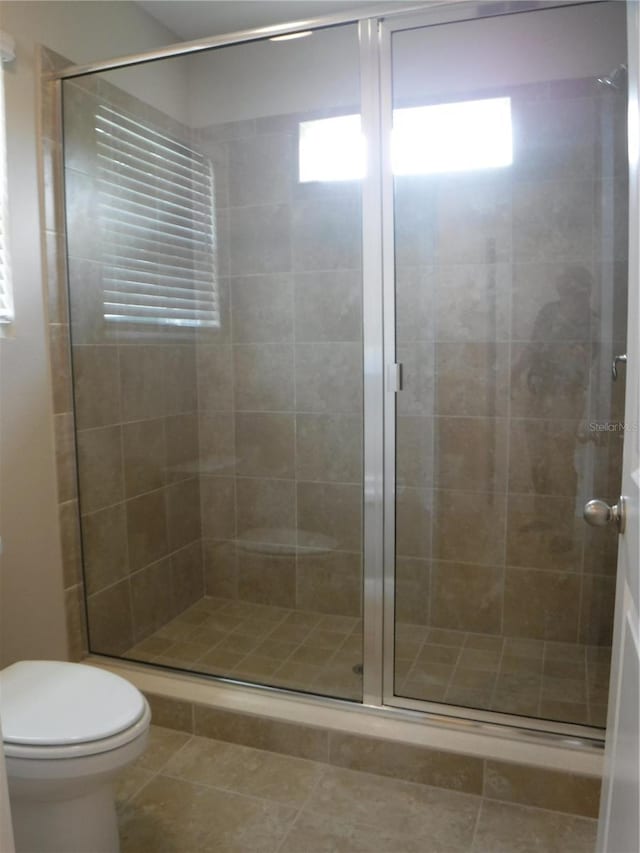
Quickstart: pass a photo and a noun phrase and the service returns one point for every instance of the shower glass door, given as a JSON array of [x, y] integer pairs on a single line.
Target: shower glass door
[[509, 194], [214, 238]]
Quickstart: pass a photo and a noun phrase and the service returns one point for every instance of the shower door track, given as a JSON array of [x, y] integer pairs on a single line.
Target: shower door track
[[379, 386]]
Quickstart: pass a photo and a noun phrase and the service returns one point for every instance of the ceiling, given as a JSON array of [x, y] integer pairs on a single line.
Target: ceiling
[[191, 19]]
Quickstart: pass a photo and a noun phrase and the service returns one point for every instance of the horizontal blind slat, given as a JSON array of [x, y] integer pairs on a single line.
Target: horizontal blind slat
[[156, 210]]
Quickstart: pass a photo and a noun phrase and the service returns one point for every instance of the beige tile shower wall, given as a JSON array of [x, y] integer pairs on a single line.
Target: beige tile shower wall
[[510, 305], [136, 410], [136, 403], [280, 383]]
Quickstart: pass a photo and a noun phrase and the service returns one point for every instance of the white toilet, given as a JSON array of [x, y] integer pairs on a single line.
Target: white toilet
[[68, 730]]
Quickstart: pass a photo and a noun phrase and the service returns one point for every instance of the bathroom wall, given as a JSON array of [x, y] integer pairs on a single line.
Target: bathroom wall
[[33, 616], [280, 384]]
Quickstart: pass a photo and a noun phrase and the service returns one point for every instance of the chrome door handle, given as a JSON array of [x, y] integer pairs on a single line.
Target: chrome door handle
[[598, 514], [619, 359]]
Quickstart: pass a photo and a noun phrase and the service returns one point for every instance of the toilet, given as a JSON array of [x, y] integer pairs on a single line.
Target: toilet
[[68, 731]]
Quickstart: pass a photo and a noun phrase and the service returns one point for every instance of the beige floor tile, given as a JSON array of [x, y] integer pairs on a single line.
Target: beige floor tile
[[520, 664], [316, 652], [163, 744], [522, 647], [444, 637], [255, 628], [173, 816], [244, 770], [242, 609], [571, 712], [314, 655], [275, 649], [353, 643], [192, 616], [519, 701], [325, 639], [208, 635], [217, 797], [255, 666], [431, 653], [504, 828], [338, 624], [288, 632], [431, 673], [407, 810], [484, 642], [238, 643], [175, 631], [150, 647], [481, 659], [420, 690], [272, 614], [130, 782], [167, 816], [221, 660], [298, 671], [302, 619], [186, 651], [312, 833]]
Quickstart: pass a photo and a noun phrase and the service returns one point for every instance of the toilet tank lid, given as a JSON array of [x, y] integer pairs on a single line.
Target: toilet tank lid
[[55, 703]]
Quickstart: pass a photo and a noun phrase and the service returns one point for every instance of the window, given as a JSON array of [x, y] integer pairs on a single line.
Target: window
[[331, 149], [456, 137], [156, 202], [6, 295]]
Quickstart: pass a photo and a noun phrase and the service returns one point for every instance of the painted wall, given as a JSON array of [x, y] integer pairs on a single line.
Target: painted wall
[[265, 78], [32, 622]]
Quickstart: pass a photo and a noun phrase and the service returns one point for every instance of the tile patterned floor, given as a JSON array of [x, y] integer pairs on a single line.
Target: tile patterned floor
[[195, 795], [557, 681], [255, 642], [318, 652]]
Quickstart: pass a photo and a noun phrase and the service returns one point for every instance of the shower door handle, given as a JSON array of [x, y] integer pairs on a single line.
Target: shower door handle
[[598, 514], [619, 359]]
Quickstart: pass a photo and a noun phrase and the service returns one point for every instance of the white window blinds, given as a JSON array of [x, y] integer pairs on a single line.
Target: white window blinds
[[157, 211], [6, 295]]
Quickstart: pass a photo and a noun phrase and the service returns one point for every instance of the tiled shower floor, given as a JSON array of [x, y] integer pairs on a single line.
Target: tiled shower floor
[[190, 794], [322, 653]]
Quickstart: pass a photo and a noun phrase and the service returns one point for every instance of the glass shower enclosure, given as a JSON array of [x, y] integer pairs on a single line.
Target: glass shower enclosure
[[343, 311]]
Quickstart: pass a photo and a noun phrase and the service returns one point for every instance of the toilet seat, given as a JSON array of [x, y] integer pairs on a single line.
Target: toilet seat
[[81, 750], [57, 709]]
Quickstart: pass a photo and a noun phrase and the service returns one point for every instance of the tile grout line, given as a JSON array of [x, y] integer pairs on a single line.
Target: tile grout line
[[158, 772], [303, 805]]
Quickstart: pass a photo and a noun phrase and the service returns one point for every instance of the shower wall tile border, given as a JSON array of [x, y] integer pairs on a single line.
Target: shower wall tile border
[[52, 236], [511, 782]]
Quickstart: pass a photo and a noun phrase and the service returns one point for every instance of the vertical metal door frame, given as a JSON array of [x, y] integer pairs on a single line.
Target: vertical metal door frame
[[440, 13], [372, 318], [389, 332]]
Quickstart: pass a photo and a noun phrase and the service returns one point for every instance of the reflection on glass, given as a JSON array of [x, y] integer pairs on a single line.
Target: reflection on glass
[[331, 149], [156, 203], [510, 307], [457, 137], [214, 299]]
